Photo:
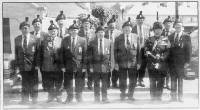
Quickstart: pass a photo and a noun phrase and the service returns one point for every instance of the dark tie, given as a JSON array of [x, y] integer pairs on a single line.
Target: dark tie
[[166, 33], [128, 42], [111, 32], [25, 43], [176, 40], [141, 37], [73, 43], [101, 48], [61, 35]]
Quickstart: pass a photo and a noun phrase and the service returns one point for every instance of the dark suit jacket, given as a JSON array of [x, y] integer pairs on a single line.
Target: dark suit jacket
[[73, 60], [97, 62], [49, 58], [116, 33], [26, 60], [179, 55], [125, 58]]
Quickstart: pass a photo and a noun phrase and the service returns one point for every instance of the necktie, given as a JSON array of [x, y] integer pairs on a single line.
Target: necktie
[[167, 32], [61, 35], [25, 43], [111, 37], [127, 42], [101, 48], [73, 43], [176, 39], [141, 37]]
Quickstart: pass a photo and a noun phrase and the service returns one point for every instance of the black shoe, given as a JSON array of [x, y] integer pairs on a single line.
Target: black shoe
[[67, 101], [115, 86], [131, 99], [23, 102], [141, 83], [90, 88], [34, 101], [105, 101], [50, 100], [173, 100], [59, 100]]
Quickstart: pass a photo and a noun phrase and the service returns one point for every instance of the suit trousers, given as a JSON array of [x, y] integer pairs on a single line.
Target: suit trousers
[[141, 71], [54, 83], [157, 79], [125, 73], [44, 80], [100, 77], [176, 82], [69, 75], [89, 78], [114, 76], [29, 85]]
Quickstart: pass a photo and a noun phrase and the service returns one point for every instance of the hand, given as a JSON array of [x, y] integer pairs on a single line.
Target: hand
[[186, 65], [63, 70], [148, 52], [157, 57], [17, 70], [138, 66], [91, 70], [83, 70], [116, 67], [37, 68]]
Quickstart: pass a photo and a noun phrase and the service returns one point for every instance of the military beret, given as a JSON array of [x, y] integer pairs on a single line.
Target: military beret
[[140, 16], [74, 25], [178, 21], [87, 19], [52, 26], [157, 25], [60, 16], [38, 19], [112, 20], [128, 23], [100, 28], [25, 23], [168, 19]]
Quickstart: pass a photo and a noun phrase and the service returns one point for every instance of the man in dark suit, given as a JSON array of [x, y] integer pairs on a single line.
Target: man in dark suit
[[73, 50], [168, 30], [143, 31], [49, 60], [157, 51], [41, 35], [89, 35], [60, 19], [26, 48], [112, 33], [180, 53], [125, 48], [99, 52]]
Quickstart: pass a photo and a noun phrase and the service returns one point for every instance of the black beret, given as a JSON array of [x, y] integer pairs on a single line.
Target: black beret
[[100, 28], [157, 25], [112, 20], [168, 19], [52, 26], [38, 19], [74, 25], [87, 19], [25, 23], [140, 16], [178, 21], [60, 16], [128, 23]]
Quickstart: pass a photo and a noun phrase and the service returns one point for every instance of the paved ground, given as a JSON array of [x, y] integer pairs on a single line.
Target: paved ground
[[191, 99]]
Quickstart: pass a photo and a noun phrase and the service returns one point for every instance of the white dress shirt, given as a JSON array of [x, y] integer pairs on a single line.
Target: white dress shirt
[[180, 34], [28, 37], [129, 38]]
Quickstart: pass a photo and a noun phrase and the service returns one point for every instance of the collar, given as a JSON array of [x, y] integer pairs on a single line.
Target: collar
[[37, 32]]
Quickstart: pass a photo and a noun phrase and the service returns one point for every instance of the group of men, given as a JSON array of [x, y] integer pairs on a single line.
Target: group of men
[[101, 55]]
